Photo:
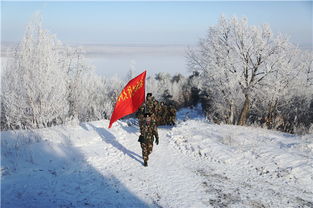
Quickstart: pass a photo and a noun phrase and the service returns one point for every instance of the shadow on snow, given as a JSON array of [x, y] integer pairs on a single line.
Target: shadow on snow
[[111, 139], [35, 173]]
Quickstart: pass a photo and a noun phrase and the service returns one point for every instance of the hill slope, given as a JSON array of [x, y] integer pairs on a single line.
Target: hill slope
[[196, 164]]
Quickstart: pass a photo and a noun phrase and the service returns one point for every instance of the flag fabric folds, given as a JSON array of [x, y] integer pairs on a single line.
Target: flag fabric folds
[[130, 99]]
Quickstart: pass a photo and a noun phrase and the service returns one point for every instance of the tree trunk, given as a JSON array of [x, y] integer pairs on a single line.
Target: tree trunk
[[244, 112], [270, 114], [231, 113]]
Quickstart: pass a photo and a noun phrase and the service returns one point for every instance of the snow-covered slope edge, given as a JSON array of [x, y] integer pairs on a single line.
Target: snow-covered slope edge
[[197, 164], [273, 155]]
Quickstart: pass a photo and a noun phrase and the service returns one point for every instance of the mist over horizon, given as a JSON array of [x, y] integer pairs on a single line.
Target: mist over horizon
[[112, 60], [115, 60]]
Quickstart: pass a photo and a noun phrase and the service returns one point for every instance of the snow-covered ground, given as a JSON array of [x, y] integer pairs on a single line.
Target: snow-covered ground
[[196, 164]]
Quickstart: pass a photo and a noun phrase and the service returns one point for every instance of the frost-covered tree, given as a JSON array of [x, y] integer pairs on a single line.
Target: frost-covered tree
[[76, 69], [246, 73], [282, 86], [167, 88], [177, 89], [294, 103], [157, 84], [97, 96], [233, 60], [33, 93]]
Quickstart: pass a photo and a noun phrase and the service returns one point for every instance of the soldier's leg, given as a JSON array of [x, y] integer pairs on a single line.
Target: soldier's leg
[[150, 147], [173, 121], [140, 122], [145, 153]]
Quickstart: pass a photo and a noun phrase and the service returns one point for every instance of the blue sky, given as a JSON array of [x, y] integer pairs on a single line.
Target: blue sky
[[152, 22]]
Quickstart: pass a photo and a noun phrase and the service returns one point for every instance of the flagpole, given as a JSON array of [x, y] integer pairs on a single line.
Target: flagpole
[[144, 136], [145, 100]]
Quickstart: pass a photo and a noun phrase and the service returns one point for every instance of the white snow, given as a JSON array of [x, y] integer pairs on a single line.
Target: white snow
[[196, 164]]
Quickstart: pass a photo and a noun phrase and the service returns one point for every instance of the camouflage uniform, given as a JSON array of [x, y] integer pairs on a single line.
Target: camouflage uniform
[[148, 131], [163, 114], [140, 115], [172, 115], [147, 107], [157, 112], [149, 104]]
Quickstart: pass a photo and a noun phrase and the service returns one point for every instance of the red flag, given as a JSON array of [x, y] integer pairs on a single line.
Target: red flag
[[130, 99]]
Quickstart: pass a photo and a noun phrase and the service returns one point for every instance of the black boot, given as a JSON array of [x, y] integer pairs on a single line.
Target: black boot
[[145, 163]]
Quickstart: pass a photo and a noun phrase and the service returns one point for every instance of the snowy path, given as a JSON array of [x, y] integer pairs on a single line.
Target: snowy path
[[91, 166], [169, 178]]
